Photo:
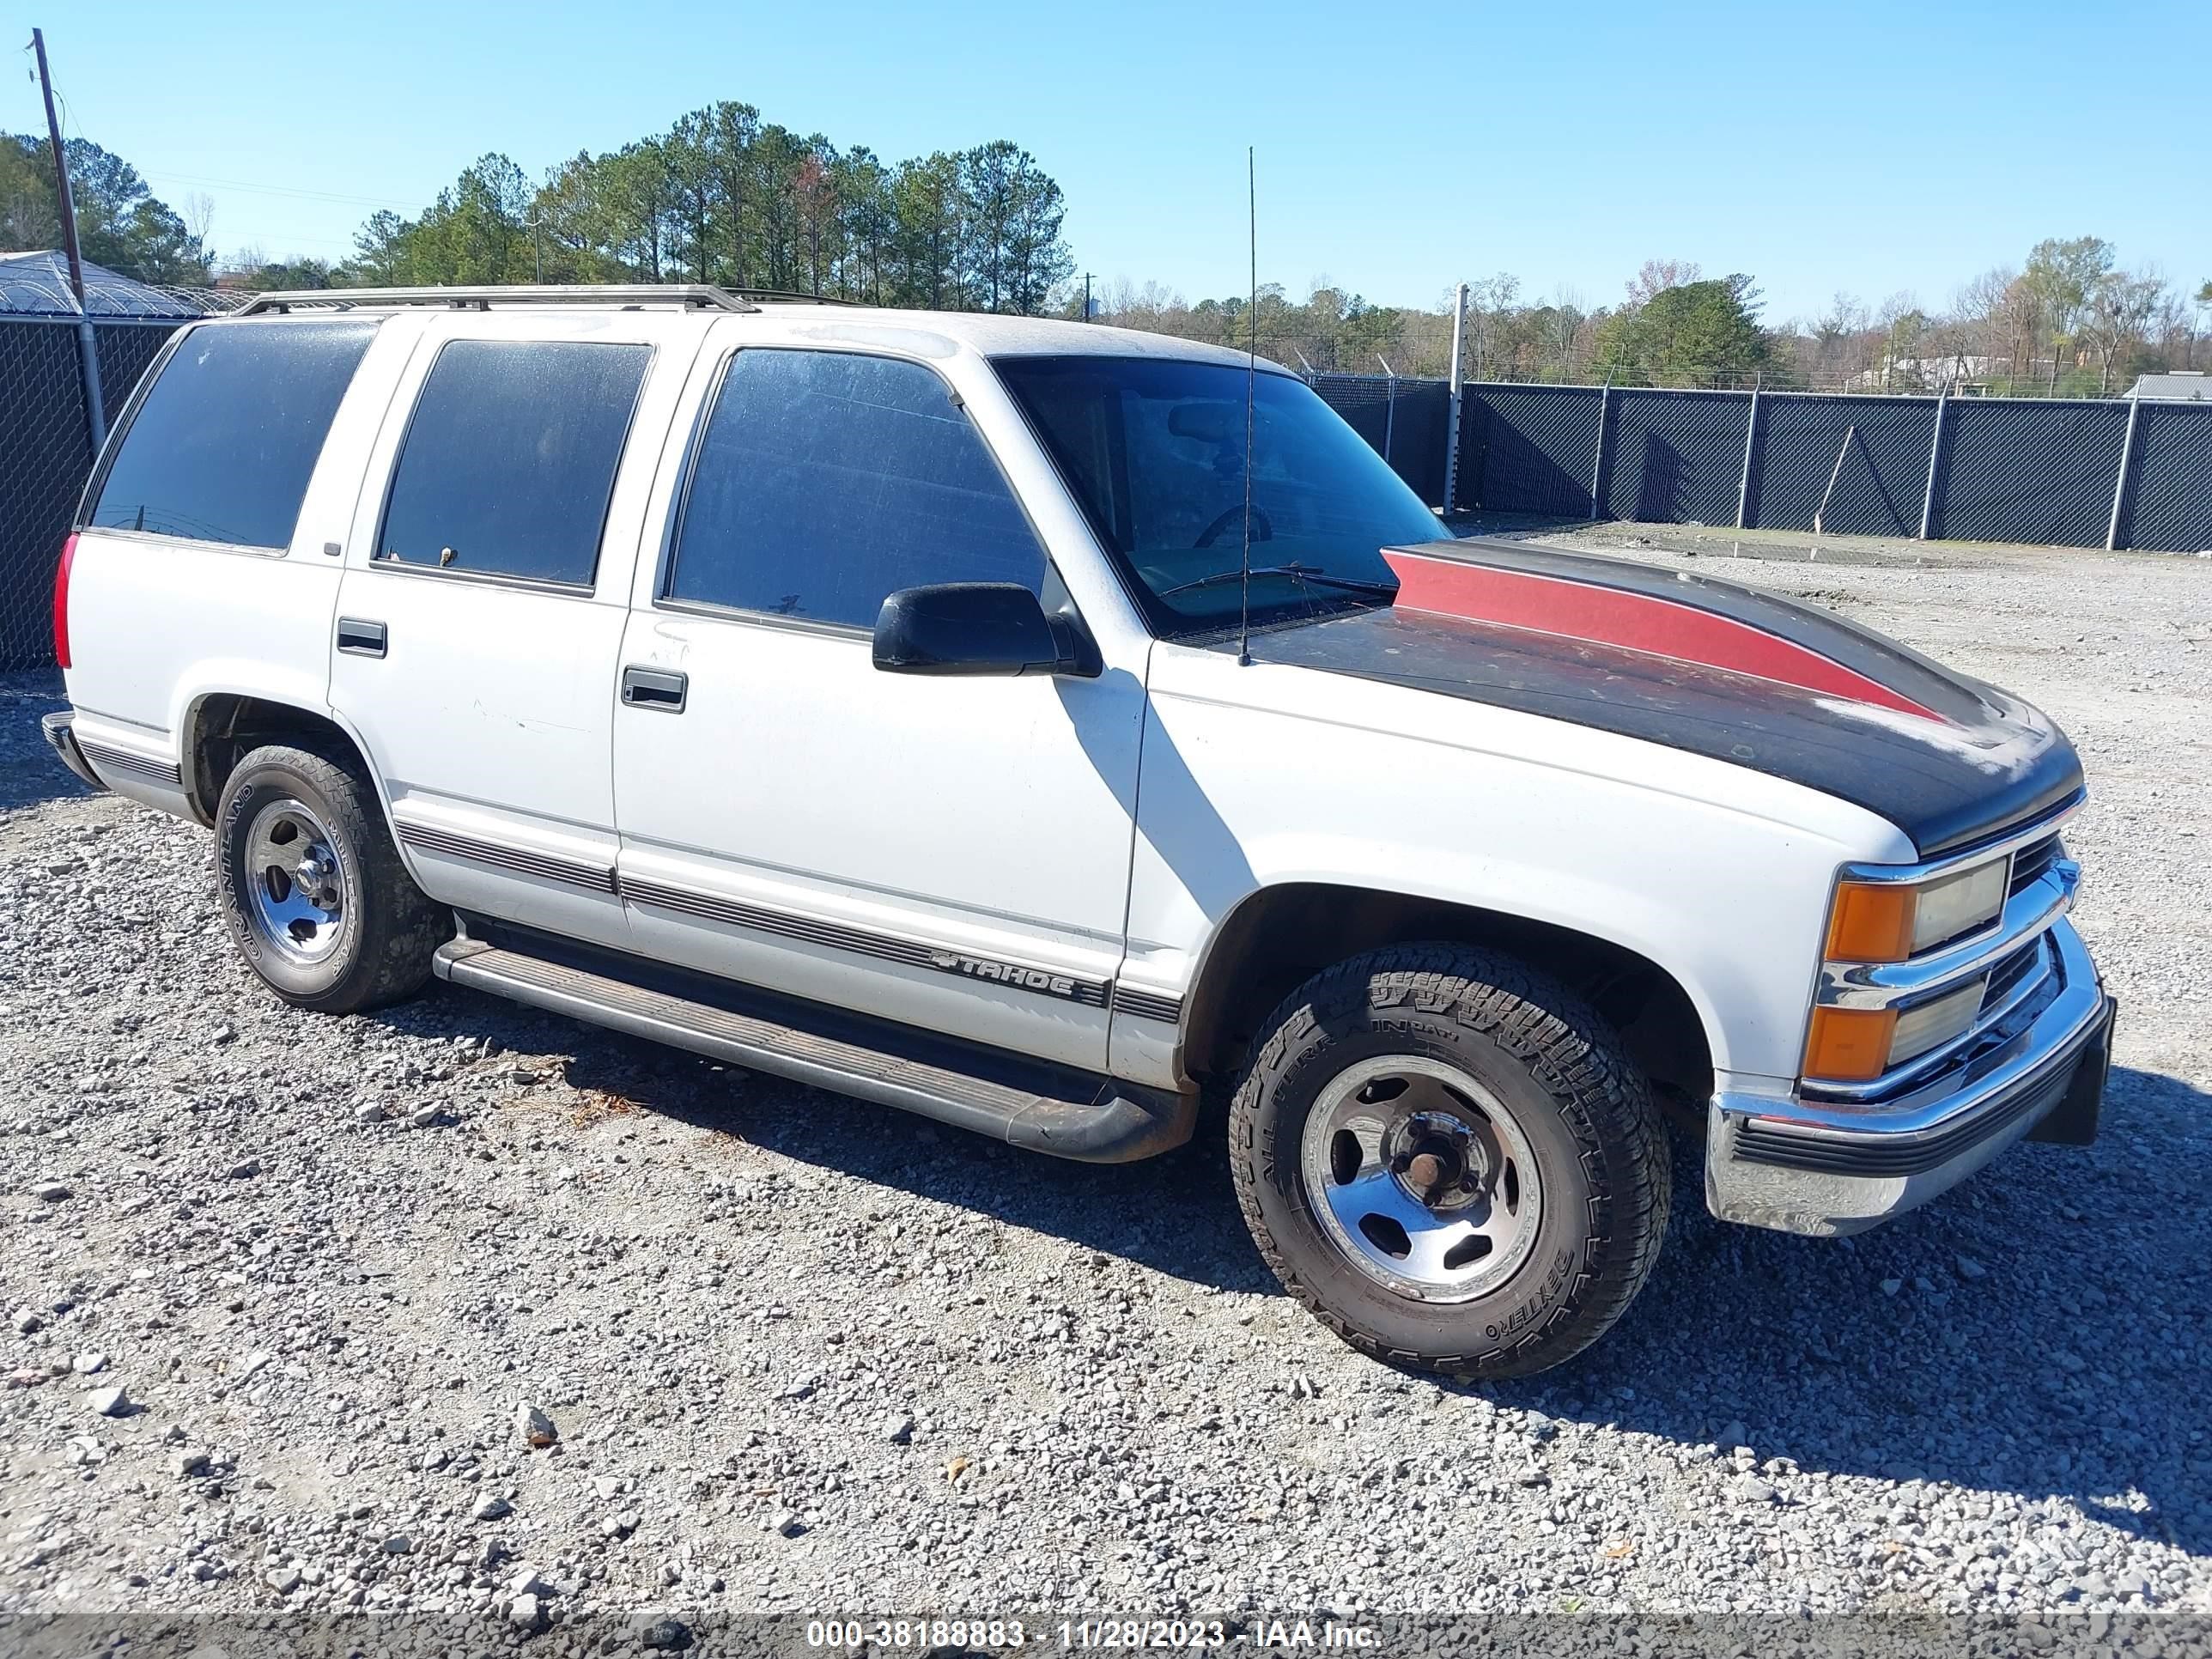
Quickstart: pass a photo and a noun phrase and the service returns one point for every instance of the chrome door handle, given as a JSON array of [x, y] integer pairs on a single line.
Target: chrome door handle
[[357, 638], [665, 688]]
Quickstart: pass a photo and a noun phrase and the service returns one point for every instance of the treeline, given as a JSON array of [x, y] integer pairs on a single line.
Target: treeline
[[2070, 321], [1672, 328], [120, 223], [723, 196]]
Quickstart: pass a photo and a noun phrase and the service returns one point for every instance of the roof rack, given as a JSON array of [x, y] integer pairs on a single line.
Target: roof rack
[[793, 297], [692, 296]]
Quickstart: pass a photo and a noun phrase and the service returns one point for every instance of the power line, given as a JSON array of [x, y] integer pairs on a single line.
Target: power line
[[281, 189]]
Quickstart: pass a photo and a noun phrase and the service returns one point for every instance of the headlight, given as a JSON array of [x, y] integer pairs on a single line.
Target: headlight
[[1856, 1045], [1888, 921]]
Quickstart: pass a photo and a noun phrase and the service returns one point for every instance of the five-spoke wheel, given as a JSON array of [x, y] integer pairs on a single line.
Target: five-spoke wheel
[[1422, 1176], [316, 895], [294, 881]]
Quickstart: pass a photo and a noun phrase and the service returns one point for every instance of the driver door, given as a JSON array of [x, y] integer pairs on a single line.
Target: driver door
[[951, 853]]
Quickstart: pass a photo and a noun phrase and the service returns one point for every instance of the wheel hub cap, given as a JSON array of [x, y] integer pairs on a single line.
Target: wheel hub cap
[[1420, 1174], [295, 882]]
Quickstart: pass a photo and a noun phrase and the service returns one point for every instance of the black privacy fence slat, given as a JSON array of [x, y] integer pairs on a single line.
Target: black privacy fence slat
[[1529, 449], [2169, 499], [1673, 457], [2024, 469], [1881, 444], [2036, 469]]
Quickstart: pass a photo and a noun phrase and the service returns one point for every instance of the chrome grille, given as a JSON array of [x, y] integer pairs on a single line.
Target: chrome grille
[[2033, 862], [2007, 976]]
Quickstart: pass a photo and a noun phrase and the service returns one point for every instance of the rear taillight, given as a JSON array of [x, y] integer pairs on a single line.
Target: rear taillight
[[61, 602]]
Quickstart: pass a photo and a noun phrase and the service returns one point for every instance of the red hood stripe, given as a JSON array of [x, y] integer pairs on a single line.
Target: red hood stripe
[[1634, 622]]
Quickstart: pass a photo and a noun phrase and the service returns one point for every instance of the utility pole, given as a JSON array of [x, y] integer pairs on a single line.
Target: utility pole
[[88, 347], [1086, 296]]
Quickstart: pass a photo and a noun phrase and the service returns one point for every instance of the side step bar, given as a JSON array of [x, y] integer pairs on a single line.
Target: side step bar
[[1111, 1126]]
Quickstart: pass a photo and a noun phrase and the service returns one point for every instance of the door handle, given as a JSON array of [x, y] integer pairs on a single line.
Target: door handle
[[665, 688], [357, 638]]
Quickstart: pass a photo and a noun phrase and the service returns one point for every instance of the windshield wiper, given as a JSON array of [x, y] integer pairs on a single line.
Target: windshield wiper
[[1304, 573]]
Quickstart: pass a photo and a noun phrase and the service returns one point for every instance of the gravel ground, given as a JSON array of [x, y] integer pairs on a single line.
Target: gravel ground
[[284, 1292]]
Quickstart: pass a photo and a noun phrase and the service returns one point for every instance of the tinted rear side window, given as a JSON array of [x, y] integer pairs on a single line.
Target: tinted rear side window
[[222, 446], [827, 479], [510, 458]]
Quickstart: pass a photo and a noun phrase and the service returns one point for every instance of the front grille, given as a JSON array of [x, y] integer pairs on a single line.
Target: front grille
[[2006, 977], [2033, 862]]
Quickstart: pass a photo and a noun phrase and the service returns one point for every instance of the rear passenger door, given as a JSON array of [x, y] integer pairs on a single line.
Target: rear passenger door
[[483, 600], [951, 853]]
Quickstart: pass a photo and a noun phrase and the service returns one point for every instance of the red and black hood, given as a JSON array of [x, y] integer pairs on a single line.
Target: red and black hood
[[1710, 668]]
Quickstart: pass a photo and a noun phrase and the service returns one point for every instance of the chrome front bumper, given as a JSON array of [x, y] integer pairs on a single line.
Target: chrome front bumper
[[1829, 1167]]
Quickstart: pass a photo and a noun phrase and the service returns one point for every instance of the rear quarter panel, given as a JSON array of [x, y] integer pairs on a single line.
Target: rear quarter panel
[[159, 623]]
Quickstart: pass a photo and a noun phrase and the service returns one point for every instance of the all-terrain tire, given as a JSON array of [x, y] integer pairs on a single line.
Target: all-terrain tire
[[1582, 1106], [387, 928]]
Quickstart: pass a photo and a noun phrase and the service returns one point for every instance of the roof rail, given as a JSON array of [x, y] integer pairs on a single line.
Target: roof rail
[[699, 295], [793, 297]]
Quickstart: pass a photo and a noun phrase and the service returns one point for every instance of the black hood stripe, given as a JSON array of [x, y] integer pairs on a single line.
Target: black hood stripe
[[1990, 761]]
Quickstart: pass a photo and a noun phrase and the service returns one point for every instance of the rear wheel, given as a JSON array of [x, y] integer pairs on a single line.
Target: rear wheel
[[314, 891], [1451, 1161]]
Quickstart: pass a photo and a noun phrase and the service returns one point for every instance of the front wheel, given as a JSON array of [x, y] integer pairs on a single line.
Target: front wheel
[[1451, 1161], [317, 899]]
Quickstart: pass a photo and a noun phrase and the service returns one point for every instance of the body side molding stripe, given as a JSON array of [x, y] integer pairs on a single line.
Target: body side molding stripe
[[168, 773], [1148, 1005], [837, 936], [1078, 988], [551, 867]]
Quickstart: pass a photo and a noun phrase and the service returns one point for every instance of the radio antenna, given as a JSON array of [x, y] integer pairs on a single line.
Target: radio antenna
[[1251, 375]]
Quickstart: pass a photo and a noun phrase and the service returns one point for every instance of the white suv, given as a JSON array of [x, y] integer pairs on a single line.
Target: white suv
[[1048, 728]]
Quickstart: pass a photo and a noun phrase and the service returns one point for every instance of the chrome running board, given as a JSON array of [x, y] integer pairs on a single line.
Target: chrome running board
[[1112, 1123]]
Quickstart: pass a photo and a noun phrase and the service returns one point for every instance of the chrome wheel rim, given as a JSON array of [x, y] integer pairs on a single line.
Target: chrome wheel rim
[[295, 882], [1421, 1177]]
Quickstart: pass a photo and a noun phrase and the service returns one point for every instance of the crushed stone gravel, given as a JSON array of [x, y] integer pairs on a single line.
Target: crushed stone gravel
[[463, 1310]]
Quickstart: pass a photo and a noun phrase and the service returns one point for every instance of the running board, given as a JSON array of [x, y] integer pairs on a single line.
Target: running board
[[1109, 1126]]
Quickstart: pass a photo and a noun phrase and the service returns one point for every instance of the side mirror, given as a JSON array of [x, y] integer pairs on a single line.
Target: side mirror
[[974, 628]]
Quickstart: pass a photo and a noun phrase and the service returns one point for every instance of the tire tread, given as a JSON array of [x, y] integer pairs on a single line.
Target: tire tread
[[401, 926], [1568, 1052]]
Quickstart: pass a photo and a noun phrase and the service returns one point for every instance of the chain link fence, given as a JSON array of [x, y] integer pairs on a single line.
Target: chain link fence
[[46, 454], [1409, 422], [2065, 500]]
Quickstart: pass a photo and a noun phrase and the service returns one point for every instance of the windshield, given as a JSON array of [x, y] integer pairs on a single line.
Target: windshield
[[1153, 449]]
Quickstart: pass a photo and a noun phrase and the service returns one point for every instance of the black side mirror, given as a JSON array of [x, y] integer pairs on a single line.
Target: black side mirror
[[975, 628]]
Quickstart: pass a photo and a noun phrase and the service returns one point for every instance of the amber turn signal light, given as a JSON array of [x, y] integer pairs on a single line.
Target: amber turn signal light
[[1849, 1045], [1871, 922]]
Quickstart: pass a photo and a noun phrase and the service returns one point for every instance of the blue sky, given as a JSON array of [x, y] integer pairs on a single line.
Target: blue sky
[[1872, 148]]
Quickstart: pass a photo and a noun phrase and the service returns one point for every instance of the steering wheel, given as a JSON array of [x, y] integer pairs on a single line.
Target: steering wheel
[[1262, 530]]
